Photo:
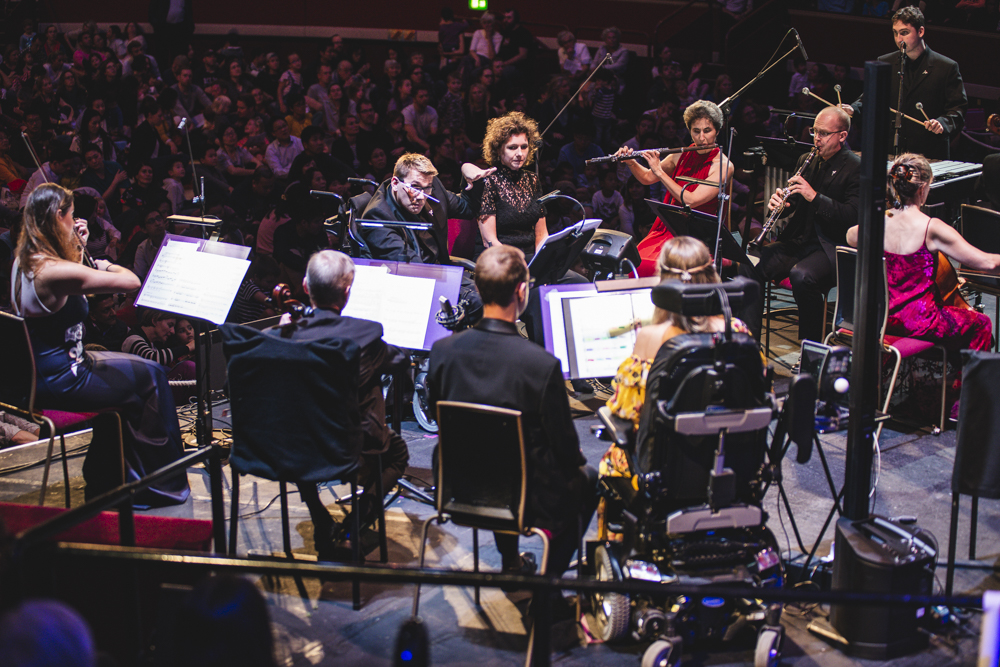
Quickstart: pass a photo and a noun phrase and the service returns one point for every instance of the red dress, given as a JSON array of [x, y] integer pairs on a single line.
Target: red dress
[[692, 165]]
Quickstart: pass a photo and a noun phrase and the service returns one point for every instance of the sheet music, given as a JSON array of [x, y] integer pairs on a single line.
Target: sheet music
[[401, 304], [604, 328], [197, 284]]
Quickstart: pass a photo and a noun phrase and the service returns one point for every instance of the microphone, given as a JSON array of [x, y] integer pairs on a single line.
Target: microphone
[[182, 124], [362, 181], [802, 47], [551, 195], [324, 193]]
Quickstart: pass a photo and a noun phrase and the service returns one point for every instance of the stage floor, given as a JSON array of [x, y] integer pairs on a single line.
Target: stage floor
[[912, 479]]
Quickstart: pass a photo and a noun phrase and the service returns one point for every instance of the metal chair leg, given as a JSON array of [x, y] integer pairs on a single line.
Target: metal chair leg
[[65, 466], [383, 541], [952, 537], [234, 512], [475, 559], [286, 531], [355, 542], [48, 464], [423, 548], [972, 527]]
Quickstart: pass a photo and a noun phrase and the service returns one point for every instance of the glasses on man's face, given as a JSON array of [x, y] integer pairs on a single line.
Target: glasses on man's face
[[822, 134], [416, 188]]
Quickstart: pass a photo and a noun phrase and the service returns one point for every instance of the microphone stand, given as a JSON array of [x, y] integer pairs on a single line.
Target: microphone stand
[[548, 127], [200, 191], [725, 104], [899, 102], [723, 198]]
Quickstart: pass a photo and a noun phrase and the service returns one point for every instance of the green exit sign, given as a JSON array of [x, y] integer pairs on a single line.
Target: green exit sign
[[478, 5]]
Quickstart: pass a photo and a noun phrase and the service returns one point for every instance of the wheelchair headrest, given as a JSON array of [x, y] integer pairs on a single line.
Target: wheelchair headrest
[[701, 300]]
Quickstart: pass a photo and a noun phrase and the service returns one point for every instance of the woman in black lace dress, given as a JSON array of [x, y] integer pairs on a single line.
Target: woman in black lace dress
[[510, 213]]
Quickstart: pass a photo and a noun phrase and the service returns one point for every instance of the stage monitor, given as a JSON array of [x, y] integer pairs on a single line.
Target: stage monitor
[[591, 328]]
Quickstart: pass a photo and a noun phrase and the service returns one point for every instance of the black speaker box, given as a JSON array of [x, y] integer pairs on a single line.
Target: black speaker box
[[608, 248], [879, 555]]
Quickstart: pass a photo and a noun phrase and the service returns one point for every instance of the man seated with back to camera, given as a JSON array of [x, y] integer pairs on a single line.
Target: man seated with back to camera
[[328, 280], [463, 367], [404, 197], [822, 204]]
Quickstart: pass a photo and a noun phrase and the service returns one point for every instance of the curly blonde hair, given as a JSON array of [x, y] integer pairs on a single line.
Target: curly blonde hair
[[501, 129]]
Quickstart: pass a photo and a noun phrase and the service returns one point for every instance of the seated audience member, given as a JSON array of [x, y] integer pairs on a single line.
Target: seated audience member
[[608, 200], [420, 119], [104, 239], [582, 148], [105, 176], [281, 152], [314, 154], [16, 431], [154, 224], [147, 142], [574, 56], [59, 164], [328, 282], [296, 242], [275, 217], [224, 621], [913, 240], [237, 162], [297, 115], [252, 298], [463, 368], [102, 327], [151, 339], [634, 216], [173, 184], [688, 260], [142, 191], [216, 185], [252, 199], [347, 148]]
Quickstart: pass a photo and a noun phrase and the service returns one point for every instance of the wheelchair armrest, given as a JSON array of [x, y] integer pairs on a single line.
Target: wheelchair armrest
[[615, 429], [466, 264]]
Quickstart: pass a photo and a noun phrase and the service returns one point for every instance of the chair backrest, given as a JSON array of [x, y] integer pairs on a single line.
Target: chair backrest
[[844, 315], [296, 415], [981, 228], [18, 386], [482, 465], [700, 373]]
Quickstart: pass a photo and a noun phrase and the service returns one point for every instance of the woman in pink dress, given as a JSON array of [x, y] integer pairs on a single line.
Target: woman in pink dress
[[703, 120], [912, 242]]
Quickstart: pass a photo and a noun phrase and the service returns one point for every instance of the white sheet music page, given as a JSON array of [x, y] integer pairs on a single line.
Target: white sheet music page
[[197, 284], [401, 304], [604, 329]]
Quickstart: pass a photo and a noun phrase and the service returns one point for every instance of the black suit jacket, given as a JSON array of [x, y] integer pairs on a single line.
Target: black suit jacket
[[493, 365], [377, 358], [833, 210], [391, 244], [938, 86]]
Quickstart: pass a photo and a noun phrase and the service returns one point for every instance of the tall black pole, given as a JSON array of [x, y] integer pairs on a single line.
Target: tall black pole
[[869, 296]]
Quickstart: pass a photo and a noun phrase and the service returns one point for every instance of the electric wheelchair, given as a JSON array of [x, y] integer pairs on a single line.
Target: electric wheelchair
[[690, 512]]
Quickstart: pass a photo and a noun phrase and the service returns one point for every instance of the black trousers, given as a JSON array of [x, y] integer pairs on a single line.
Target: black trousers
[[812, 274], [562, 544]]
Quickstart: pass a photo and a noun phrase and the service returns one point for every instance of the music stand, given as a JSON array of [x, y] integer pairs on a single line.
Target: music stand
[[782, 153], [198, 279], [702, 226], [560, 251]]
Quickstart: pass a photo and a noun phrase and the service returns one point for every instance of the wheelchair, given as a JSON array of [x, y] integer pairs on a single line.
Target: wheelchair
[[691, 511]]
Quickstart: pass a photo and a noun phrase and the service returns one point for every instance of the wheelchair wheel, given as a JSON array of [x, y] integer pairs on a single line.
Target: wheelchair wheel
[[611, 610], [421, 409], [768, 652], [662, 653]]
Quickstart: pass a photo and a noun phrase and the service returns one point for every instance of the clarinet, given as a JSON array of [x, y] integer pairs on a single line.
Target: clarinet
[[776, 213]]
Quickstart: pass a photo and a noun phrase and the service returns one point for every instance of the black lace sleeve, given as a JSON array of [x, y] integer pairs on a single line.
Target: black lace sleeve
[[490, 194]]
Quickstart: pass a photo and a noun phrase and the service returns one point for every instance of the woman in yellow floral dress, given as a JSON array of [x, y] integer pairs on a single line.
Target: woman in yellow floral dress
[[682, 258]]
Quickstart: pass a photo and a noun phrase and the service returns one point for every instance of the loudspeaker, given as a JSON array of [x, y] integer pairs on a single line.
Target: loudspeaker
[[879, 555], [608, 248]]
